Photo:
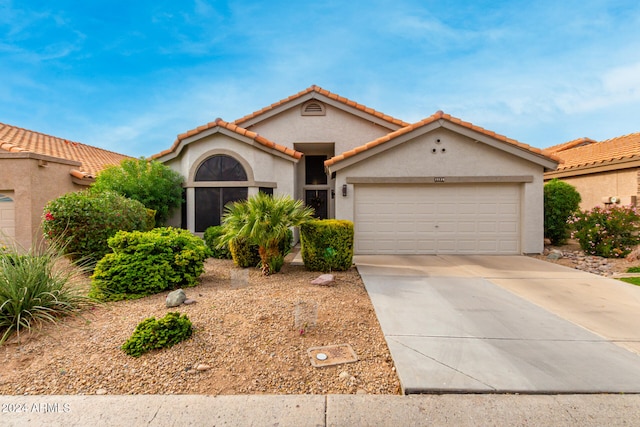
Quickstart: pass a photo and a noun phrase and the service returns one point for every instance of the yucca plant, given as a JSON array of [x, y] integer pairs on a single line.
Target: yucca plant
[[36, 287], [264, 220]]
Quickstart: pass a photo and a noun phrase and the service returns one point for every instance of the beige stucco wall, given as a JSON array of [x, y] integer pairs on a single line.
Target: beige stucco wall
[[593, 187], [462, 157], [35, 180], [337, 126], [263, 168]]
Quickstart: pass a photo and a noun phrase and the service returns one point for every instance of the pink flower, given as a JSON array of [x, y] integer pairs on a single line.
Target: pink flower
[[48, 216]]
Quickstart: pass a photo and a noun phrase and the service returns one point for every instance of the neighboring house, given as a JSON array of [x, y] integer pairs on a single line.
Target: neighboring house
[[36, 168], [605, 172], [437, 186]]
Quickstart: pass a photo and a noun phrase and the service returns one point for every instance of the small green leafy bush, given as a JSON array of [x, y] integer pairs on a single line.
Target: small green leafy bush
[[561, 201], [609, 232], [37, 287], [85, 220], [244, 254], [633, 270], [327, 244], [211, 235], [146, 263], [153, 334]]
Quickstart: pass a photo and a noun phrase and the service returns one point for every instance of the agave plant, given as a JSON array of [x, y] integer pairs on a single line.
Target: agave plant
[[38, 286], [264, 220]]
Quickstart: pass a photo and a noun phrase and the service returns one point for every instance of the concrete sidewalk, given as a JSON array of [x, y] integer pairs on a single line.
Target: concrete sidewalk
[[494, 324], [318, 410]]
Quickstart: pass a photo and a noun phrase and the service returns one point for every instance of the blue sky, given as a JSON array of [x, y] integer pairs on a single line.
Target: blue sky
[[130, 76]]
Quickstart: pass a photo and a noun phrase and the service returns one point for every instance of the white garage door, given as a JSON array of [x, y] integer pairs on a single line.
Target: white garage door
[[437, 219], [7, 218]]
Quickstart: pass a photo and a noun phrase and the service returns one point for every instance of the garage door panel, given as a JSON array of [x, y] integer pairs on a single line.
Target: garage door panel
[[465, 218]]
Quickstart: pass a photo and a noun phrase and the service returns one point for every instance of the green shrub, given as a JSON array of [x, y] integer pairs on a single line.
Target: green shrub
[[152, 334], [145, 263], [327, 244], [211, 235], [37, 287], [610, 232], [85, 220], [152, 183], [244, 254], [561, 201], [633, 269]]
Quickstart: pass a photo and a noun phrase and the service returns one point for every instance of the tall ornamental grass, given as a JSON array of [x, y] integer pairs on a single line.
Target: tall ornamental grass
[[37, 287]]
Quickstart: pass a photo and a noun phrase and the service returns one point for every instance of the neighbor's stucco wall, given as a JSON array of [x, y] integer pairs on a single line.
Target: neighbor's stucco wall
[[35, 180], [263, 168], [462, 157], [337, 126], [593, 187]]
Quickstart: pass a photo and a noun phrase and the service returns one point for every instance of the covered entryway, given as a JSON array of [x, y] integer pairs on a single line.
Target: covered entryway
[[437, 218]]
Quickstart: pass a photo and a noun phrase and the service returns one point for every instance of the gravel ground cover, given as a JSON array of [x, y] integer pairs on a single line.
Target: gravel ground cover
[[245, 342]]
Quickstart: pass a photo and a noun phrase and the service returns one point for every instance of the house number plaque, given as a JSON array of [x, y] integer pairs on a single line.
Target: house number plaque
[[438, 179]]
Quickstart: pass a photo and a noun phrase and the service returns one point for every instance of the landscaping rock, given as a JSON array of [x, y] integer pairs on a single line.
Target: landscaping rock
[[324, 280], [189, 301], [175, 298], [202, 367], [554, 255]]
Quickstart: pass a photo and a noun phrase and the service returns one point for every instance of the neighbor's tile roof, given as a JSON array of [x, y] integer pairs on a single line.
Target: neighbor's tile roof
[[600, 153], [437, 116], [330, 95], [234, 128], [567, 145], [93, 159]]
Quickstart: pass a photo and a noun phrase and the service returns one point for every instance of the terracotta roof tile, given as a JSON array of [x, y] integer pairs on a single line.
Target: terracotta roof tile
[[439, 115], [567, 145], [599, 153], [93, 159], [234, 128], [328, 94]]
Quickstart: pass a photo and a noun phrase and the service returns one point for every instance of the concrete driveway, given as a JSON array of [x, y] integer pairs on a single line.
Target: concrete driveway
[[504, 324]]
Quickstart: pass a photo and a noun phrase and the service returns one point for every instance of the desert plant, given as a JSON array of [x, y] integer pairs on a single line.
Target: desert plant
[[85, 220], [152, 183], [36, 287], [152, 334], [211, 235], [561, 201], [610, 231], [145, 263], [263, 220]]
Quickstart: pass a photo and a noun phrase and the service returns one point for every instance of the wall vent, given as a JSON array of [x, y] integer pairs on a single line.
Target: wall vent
[[313, 108]]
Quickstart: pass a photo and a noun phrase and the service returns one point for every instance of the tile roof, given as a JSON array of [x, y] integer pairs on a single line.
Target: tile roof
[[330, 95], [234, 128], [567, 145], [439, 115], [626, 147], [93, 159]]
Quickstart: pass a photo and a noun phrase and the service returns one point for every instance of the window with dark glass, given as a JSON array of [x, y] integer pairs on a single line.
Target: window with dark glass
[[210, 201], [314, 170]]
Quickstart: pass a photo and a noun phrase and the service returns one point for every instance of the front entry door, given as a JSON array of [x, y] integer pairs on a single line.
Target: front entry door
[[318, 200]]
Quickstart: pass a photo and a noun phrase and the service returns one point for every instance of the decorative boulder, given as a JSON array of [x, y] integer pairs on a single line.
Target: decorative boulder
[[175, 298], [324, 280]]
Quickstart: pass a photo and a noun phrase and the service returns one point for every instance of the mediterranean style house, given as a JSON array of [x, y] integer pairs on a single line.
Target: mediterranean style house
[[604, 173], [36, 168], [437, 186]]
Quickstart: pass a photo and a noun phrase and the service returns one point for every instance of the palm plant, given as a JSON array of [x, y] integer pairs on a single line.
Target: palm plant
[[264, 220]]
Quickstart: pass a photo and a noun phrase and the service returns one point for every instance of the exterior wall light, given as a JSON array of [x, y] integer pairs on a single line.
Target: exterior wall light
[[344, 190]]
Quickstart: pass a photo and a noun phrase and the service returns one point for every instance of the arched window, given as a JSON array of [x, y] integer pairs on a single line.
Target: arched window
[[211, 200]]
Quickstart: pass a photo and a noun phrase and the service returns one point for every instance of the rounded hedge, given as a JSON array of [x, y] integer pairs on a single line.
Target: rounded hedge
[[561, 201], [85, 220]]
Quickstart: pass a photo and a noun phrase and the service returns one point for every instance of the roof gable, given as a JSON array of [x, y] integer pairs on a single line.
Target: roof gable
[[92, 159], [440, 119], [612, 151], [316, 92], [230, 129]]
